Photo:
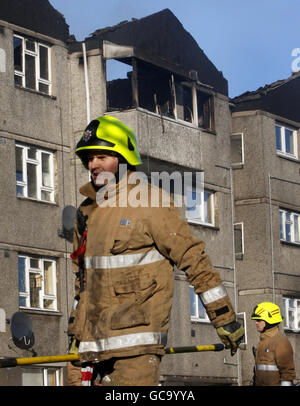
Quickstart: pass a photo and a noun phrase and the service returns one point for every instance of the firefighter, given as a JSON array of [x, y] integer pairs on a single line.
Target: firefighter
[[274, 363], [127, 254]]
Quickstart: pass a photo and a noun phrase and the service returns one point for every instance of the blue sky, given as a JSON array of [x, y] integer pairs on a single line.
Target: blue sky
[[250, 41]]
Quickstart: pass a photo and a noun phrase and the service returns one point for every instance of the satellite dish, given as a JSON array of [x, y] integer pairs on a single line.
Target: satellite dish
[[68, 216], [21, 330]]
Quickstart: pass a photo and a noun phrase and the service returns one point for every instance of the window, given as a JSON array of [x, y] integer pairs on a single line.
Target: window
[[200, 206], [38, 376], [155, 89], [289, 226], [37, 283], [32, 64], [239, 239], [291, 313], [159, 91], [194, 106], [2, 60], [198, 312], [237, 149], [286, 141], [241, 318], [34, 173]]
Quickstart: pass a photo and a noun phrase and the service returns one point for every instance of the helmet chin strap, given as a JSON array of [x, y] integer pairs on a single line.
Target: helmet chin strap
[[268, 326]]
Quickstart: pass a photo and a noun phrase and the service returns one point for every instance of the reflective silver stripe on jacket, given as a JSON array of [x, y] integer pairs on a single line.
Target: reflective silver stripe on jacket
[[264, 367], [127, 340], [286, 383], [213, 294], [120, 261]]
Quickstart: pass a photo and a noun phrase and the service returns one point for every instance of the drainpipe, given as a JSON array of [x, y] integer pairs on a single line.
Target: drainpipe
[[195, 106], [86, 78], [234, 272], [271, 239], [232, 228], [233, 242], [238, 364]]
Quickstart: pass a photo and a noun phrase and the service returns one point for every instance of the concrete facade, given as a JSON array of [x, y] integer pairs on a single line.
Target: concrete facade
[[29, 225], [266, 182]]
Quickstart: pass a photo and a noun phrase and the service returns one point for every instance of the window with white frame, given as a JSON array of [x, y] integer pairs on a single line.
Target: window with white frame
[[289, 226], [239, 239], [41, 376], [291, 313], [34, 173], [241, 318], [194, 106], [198, 312], [37, 283], [286, 141], [200, 206], [237, 149], [32, 64]]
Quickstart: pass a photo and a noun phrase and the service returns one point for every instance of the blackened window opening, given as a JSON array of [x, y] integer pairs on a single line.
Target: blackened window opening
[[159, 91], [155, 89]]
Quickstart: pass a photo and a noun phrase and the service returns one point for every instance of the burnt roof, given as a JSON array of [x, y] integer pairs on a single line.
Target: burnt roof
[[161, 40], [281, 98], [35, 15]]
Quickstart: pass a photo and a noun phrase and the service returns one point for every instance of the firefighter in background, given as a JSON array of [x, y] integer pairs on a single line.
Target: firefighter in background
[[274, 363], [124, 257]]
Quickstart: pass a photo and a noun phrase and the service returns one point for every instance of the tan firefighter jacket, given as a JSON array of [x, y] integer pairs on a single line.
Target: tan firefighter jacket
[[125, 303], [274, 364]]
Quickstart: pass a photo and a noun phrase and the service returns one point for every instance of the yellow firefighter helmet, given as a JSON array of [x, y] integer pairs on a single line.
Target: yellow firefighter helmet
[[110, 134], [268, 312]]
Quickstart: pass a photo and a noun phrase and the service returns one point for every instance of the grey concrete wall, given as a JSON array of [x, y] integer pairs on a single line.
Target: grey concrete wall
[[259, 271], [29, 226], [88, 93]]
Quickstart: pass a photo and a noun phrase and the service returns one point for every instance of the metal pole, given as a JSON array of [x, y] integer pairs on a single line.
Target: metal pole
[[13, 362], [196, 348], [86, 77], [233, 242], [235, 289], [234, 269], [271, 238]]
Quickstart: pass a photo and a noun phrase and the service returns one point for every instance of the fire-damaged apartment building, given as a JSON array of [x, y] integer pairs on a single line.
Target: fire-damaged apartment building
[[247, 209]]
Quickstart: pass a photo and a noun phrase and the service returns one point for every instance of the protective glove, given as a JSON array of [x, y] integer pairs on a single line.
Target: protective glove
[[73, 349], [73, 346], [231, 335]]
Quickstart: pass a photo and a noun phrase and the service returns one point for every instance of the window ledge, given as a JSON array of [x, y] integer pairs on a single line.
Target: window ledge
[[288, 157], [41, 311], [174, 120], [207, 130], [197, 223], [200, 321], [292, 244], [49, 96], [290, 330], [31, 199], [237, 166]]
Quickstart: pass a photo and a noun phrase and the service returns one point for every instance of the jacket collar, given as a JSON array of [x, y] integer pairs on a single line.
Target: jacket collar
[[88, 190], [112, 190], [271, 332]]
